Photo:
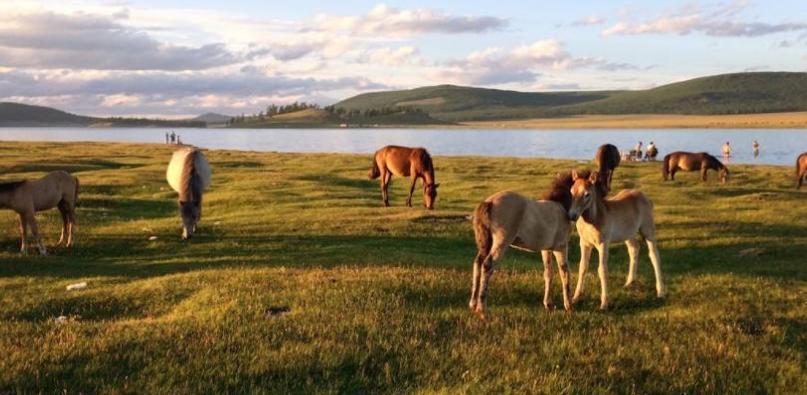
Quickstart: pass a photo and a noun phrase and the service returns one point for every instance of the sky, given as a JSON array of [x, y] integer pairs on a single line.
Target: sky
[[179, 58]]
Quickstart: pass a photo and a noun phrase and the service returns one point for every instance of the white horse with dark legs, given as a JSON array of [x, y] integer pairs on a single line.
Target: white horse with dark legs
[[509, 219], [604, 221], [189, 175]]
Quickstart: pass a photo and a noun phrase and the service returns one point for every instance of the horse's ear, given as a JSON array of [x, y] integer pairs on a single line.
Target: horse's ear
[[595, 175], [574, 174]]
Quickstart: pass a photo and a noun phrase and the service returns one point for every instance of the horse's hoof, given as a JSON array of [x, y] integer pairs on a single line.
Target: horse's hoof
[[549, 306], [603, 307], [629, 285]]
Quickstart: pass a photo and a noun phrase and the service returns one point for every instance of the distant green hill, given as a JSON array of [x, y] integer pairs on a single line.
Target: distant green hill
[[18, 114], [22, 114], [721, 94]]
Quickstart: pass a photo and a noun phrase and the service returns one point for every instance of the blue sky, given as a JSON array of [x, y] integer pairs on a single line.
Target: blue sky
[[173, 58]]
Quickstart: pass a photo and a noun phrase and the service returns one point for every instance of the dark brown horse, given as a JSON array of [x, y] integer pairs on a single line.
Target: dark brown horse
[[801, 168], [607, 159], [689, 161], [405, 162]]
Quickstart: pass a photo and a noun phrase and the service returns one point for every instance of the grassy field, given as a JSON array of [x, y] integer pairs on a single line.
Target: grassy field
[[785, 120], [299, 281]]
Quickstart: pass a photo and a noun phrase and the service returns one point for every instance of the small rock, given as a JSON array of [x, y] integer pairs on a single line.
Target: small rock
[[77, 286], [60, 319], [754, 251], [152, 238], [277, 311]]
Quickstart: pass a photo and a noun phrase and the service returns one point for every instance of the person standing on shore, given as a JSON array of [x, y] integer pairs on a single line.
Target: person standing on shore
[[638, 151], [173, 137], [166, 137], [755, 148], [726, 150]]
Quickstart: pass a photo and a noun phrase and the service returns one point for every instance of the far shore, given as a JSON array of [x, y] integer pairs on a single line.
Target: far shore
[[785, 120]]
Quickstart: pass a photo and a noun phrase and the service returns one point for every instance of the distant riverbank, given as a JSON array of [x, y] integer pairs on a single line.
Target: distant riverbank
[[784, 120]]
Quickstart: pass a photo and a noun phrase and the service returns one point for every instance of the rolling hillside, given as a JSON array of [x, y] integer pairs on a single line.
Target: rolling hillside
[[24, 114], [18, 114], [722, 94]]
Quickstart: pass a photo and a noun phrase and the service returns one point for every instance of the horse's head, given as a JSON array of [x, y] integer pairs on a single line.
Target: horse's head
[[583, 189], [190, 213], [724, 174], [429, 195]]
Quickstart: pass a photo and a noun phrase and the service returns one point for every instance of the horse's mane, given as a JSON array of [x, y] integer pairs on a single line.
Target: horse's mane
[[713, 159], [190, 185], [10, 186], [560, 189]]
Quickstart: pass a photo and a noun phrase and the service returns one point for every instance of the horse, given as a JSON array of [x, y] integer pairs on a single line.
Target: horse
[[405, 162], [607, 158], [57, 189], [602, 221], [801, 169], [688, 161], [189, 175], [509, 219]]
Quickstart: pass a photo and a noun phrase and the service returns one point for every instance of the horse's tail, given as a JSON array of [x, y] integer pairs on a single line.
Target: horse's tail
[[375, 172], [484, 239], [76, 202], [665, 168]]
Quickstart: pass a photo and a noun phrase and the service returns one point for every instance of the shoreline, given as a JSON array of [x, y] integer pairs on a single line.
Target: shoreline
[[787, 120]]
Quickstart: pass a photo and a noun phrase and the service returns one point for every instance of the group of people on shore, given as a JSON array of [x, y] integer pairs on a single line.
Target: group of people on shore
[[173, 138], [652, 151]]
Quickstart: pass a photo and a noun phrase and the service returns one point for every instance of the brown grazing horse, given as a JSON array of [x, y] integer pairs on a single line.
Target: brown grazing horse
[[604, 221], [509, 219], [801, 169], [689, 161], [607, 159], [189, 175], [57, 189], [405, 162]]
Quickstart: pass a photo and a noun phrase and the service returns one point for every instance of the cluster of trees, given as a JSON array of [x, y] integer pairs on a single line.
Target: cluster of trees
[[271, 111], [344, 113]]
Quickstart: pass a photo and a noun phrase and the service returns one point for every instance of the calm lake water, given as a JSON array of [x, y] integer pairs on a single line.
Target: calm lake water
[[780, 147]]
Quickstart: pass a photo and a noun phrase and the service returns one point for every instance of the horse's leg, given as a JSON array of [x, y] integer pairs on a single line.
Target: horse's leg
[[546, 256], [23, 231], [412, 189], [386, 176], [633, 253], [602, 249], [585, 256], [801, 178], [673, 170], [481, 256], [35, 232], [703, 173], [487, 272], [63, 211], [655, 259], [563, 268], [71, 226]]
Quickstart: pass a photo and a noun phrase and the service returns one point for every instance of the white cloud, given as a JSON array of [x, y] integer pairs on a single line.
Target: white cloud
[[692, 19], [392, 56], [386, 20], [591, 20]]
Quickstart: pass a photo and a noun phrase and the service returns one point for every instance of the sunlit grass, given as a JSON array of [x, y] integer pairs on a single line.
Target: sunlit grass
[[299, 281]]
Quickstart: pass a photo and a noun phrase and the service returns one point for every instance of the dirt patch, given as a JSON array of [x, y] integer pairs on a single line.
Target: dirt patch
[[442, 219]]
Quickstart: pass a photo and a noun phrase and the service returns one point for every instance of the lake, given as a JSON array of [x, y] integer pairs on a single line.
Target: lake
[[778, 146]]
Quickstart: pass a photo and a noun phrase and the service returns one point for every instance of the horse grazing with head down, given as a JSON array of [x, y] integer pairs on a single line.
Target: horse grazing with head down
[[189, 175], [688, 161], [405, 162], [607, 159], [57, 189], [801, 169], [509, 219], [602, 221]]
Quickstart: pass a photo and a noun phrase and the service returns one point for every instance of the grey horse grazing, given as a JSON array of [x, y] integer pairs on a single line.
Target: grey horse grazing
[[26, 198], [189, 175]]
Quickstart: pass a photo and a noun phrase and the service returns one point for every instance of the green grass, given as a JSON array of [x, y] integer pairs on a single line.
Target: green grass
[[299, 281]]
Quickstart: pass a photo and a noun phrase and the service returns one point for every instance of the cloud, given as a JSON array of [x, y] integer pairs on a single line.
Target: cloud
[[48, 40], [591, 20], [690, 20], [392, 56], [386, 20]]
